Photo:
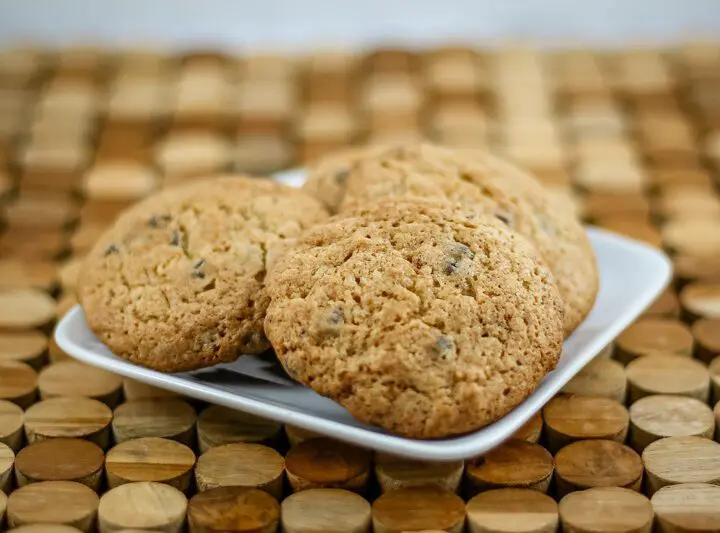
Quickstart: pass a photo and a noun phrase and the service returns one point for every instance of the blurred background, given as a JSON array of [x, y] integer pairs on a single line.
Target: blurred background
[[615, 105]]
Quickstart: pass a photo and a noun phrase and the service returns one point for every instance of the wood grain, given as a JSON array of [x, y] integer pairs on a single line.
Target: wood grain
[[675, 460], [418, 508], [18, 383], [653, 335], [53, 502], [327, 463], [72, 378], [655, 417], [150, 459], [687, 508], [11, 425], [600, 378], [667, 374], [569, 418], [516, 463], [606, 509], [243, 465], [218, 425], [76, 417], [28, 347], [512, 510], [145, 505], [60, 460], [597, 463], [169, 418], [233, 509], [394, 472], [319, 510]]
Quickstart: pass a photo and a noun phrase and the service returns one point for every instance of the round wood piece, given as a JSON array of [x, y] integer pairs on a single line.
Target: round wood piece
[[667, 305], [687, 508], [701, 299], [233, 510], [516, 463], [667, 374], [24, 346], [144, 506], [19, 273], [603, 378], [11, 425], [57, 354], [690, 268], [60, 460], [218, 425], [569, 418], [606, 509], [296, 435], [675, 460], [72, 378], [707, 339], [53, 502], [18, 383], [658, 416], [692, 236], [45, 528], [69, 417], [654, 335], [319, 510], [150, 459], [597, 463], [137, 390], [243, 465], [394, 472], [417, 509], [512, 511], [7, 459], [327, 463], [531, 430], [25, 309], [171, 419]]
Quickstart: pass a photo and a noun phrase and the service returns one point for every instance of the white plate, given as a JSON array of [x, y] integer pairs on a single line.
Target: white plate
[[632, 274]]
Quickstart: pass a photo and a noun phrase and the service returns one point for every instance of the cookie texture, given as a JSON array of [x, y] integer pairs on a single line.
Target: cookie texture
[[487, 184], [423, 318], [327, 177], [178, 282]]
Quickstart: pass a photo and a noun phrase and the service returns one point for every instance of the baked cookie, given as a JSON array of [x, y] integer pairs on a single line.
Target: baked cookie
[[177, 282], [420, 317], [487, 184], [326, 177]]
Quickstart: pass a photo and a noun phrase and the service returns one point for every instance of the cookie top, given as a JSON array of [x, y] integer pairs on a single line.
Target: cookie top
[[177, 282], [420, 317], [327, 176], [488, 184]]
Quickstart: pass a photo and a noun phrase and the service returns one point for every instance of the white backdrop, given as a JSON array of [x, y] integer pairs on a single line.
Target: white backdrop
[[302, 24]]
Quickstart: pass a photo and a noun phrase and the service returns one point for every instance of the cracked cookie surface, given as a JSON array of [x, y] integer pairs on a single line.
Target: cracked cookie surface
[[178, 282], [420, 317], [486, 183]]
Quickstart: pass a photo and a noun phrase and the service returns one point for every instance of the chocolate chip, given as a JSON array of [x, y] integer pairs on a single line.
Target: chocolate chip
[[337, 316], [455, 256], [443, 346], [112, 249], [158, 221], [505, 218], [197, 270], [341, 176]]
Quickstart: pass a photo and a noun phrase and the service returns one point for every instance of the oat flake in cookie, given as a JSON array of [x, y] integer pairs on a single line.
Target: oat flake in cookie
[[419, 317], [178, 282], [488, 184]]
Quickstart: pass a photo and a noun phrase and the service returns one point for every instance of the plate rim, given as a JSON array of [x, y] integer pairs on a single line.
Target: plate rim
[[448, 449]]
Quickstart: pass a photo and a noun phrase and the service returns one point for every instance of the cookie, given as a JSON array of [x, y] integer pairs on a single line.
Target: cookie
[[327, 176], [487, 184], [423, 318], [177, 283]]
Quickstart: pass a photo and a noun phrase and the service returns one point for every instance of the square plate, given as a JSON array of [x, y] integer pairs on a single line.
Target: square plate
[[632, 275]]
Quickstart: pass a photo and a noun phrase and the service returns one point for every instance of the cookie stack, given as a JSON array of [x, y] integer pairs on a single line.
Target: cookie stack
[[431, 303]]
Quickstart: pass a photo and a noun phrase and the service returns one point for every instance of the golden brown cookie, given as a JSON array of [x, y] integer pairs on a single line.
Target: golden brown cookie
[[177, 282], [420, 317], [487, 184], [327, 176]]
